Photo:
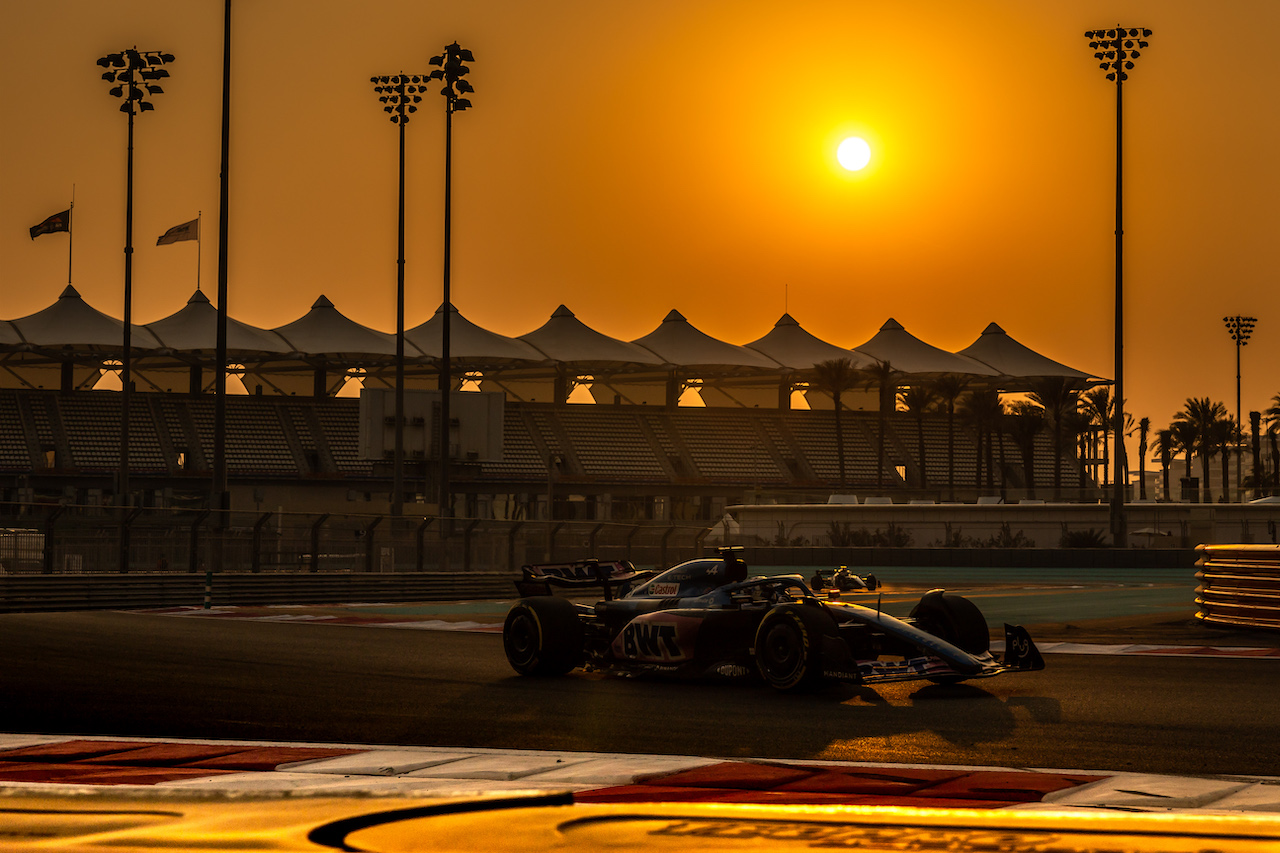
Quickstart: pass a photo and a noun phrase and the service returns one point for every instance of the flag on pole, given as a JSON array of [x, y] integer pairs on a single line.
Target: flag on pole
[[57, 222], [178, 233]]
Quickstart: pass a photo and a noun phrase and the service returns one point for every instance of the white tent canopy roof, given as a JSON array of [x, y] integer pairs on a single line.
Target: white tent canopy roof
[[908, 354], [194, 328], [792, 346], [680, 344], [566, 339], [70, 323], [470, 344], [1011, 358], [71, 328], [325, 331]]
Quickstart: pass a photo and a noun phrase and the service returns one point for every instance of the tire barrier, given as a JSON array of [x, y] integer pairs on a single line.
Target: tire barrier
[[31, 593], [1239, 585]]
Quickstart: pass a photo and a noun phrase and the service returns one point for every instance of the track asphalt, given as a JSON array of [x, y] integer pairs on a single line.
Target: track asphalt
[[1162, 632], [58, 765]]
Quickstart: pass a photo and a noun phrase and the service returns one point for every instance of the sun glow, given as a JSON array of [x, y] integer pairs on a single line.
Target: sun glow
[[854, 153]]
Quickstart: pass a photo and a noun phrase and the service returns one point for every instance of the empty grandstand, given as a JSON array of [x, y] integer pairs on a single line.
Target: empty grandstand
[[636, 453], [605, 462]]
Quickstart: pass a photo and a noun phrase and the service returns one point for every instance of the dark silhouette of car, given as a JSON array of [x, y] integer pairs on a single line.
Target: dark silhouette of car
[[706, 617]]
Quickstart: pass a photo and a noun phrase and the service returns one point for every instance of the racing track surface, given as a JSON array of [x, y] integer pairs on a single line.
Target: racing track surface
[[134, 674]]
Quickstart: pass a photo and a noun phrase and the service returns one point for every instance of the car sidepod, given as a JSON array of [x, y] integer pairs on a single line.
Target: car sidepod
[[662, 638]]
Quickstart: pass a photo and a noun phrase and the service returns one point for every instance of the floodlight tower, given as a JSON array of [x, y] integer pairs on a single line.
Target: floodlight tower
[[1240, 328], [136, 75], [1116, 48], [450, 71], [399, 95]]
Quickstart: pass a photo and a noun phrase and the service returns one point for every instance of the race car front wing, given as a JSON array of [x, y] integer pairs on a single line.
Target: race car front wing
[[1021, 655]]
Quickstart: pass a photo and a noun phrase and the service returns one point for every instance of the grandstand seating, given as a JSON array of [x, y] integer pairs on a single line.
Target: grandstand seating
[[14, 453], [610, 443], [339, 421], [725, 446], [256, 437], [814, 433], [604, 446], [521, 459]]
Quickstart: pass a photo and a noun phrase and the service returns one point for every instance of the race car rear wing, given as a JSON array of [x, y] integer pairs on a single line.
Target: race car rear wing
[[539, 578]]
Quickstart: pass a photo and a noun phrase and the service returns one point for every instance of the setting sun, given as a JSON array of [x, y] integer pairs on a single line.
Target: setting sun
[[854, 153]]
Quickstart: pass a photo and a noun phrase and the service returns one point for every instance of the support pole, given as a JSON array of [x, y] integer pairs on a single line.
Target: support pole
[[1119, 517], [315, 541]]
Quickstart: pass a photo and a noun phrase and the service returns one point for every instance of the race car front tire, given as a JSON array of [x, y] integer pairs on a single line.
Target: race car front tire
[[955, 619], [788, 647], [543, 636]]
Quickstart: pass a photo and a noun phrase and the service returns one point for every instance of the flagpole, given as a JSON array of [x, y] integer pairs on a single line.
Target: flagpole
[[71, 234], [199, 242]]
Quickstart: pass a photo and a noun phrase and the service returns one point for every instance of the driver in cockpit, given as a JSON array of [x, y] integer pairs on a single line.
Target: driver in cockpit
[[735, 570]]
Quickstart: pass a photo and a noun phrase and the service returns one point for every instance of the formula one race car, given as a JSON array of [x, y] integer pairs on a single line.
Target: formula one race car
[[842, 579], [706, 617]]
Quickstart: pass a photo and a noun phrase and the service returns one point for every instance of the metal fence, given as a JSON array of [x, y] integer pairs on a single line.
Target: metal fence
[[78, 540]]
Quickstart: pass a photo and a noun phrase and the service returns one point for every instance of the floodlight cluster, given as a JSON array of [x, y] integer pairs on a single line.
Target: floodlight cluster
[[400, 93], [135, 73], [1240, 328], [451, 71], [1116, 48]]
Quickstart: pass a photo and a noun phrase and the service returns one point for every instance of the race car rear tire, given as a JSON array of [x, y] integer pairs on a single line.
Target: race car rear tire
[[543, 636], [788, 647]]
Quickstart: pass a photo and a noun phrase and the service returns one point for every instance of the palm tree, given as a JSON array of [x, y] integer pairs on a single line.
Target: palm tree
[[1099, 407], [883, 377], [1166, 446], [1079, 429], [1273, 427], [1026, 422], [1199, 418], [835, 377], [1122, 460], [982, 410], [1144, 429], [948, 388], [917, 400], [1184, 438], [1275, 457], [1058, 398], [1223, 439]]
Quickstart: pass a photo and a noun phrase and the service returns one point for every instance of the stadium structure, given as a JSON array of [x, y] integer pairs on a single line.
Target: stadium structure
[[633, 449]]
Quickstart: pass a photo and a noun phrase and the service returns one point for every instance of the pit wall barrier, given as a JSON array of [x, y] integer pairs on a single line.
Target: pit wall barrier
[[70, 540], [1239, 585], [1070, 526], [43, 593]]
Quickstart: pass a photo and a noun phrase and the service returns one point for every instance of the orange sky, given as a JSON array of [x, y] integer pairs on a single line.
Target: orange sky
[[626, 159]]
